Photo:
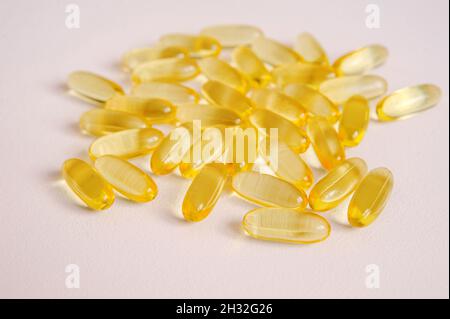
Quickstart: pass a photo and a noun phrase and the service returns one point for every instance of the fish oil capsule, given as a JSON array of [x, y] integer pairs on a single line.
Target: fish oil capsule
[[286, 225], [218, 70], [93, 87], [204, 191], [354, 121], [198, 46], [136, 57], [172, 92], [222, 95], [209, 115], [168, 70], [87, 184], [341, 89], [370, 197], [337, 185], [361, 61], [325, 141], [310, 49], [268, 190], [126, 144], [408, 101], [99, 122], [251, 66], [126, 178], [273, 52], [231, 35], [304, 73], [314, 102]]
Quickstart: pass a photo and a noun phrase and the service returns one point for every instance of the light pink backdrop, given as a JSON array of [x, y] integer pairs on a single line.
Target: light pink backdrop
[[147, 250]]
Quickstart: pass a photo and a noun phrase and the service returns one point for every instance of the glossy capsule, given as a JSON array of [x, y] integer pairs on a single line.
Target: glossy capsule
[[92, 87], [126, 144], [370, 197], [231, 35], [132, 59], [407, 101], [307, 46], [204, 191], [172, 92], [198, 46], [87, 184], [168, 70], [337, 185], [209, 115], [286, 225], [126, 178], [354, 121], [99, 122], [248, 63], [273, 52], [361, 61], [218, 70], [304, 73], [268, 190]]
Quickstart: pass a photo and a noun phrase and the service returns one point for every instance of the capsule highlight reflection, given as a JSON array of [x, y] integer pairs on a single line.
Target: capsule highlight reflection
[[354, 121], [361, 61]]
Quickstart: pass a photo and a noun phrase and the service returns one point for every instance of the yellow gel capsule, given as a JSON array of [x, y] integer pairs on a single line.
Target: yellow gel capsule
[[168, 70], [314, 102], [408, 101], [287, 131], [286, 225], [198, 46], [273, 52], [93, 87], [126, 178], [218, 70], [310, 49], [251, 66], [231, 35], [337, 185], [136, 57], [361, 61], [354, 121], [268, 190], [101, 122], [325, 141], [204, 191], [370, 197], [172, 92], [87, 184], [341, 89], [305, 73], [126, 144], [209, 115]]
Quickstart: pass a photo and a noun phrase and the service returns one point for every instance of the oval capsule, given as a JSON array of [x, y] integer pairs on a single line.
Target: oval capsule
[[304, 73], [248, 63], [361, 61], [87, 184], [172, 92], [169, 70], [231, 35], [132, 59], [310, 49], [92, 87], [273, 52], [198, 46], [354, 121], [209, 115], [218, 70]]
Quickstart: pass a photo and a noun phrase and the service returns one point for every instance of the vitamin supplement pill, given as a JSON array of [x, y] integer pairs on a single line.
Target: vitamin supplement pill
[[310, 49], [231, 35], [209, 115], [172, 92], [87, 184], [305, 73], [197, 46], [370, 197], [361, 61], [136, 57], [101, 122], [218, 70], [408, 101], [92, 87], [286, 225], [268, 190], [126, 144], [168, 70], [339, 183], [126, 178], [251, 66], [354, 121], [341, 89], [325, 141], [204, 191], [273, 52]]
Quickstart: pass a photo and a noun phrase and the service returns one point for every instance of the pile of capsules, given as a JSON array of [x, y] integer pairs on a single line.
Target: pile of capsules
[[263, 84]]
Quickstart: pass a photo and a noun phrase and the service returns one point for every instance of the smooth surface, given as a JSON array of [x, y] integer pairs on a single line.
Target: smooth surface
[[219, 70], [354, 121], [173, 92]]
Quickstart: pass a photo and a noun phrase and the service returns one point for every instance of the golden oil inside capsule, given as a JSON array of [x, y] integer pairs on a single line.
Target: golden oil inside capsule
[[310, 49], [198, 46], [337, 185], [172, 92], [286, 225], [204, 191], [268, 190], [231, 35], [126, 144], [304, 73], [354, 121], [325, 141], [341, 89], [126, 178], [167, 70], [87, 184], [209, 115], [273, 52], [99, 122], [136, 57], [361, 61], [93, 87], [408, 101], [218, 70], [248, 63]]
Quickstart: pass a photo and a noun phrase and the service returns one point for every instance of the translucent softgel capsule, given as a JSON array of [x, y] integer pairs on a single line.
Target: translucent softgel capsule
[[361, 61], [354, 121], [169, 70], [209, 115], [273, 52], [173, 92], [286, 225], [218, 70], [231, 35], [408, 101], [310, 49], [87, 184], [268, 190], [126, 178], [248, 63], [198, 46], [370, 197], [337, 185], [101, 122], [305, 73], [93, 87], [126, 144], [136, 57]]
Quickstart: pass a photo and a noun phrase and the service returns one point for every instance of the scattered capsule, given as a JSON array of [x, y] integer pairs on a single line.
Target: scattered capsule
[[218, 70], [93, 87], [408, 101], [286, 225], [99, 122], [198, 46], [172, 92], [248, 63], [87, 184], [310, 49], [370, 197], [231, 35], [209, 115], [354, 121], [273, 52], [361, 61], [170, 70], [304, 73], [126, 178], [136, 57]]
